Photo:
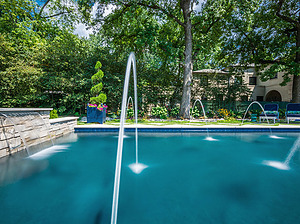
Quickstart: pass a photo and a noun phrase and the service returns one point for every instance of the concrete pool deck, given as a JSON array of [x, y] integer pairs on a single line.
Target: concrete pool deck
[[189, 128]]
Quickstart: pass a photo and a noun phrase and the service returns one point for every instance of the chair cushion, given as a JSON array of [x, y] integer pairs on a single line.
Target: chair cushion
[[270, 113], [293, 115], [293, 112]]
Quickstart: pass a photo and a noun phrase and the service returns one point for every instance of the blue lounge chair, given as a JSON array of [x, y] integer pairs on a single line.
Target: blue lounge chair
[[271, 112], [292, 112]]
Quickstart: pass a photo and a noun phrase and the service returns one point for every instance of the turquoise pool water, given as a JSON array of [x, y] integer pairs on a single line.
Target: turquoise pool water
[[189, 180]]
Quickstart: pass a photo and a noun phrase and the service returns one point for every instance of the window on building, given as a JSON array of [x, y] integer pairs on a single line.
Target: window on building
[[252, 80], [260, 98]]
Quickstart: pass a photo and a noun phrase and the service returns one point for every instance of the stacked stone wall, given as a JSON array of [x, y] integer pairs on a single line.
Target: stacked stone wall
[[34, 129]]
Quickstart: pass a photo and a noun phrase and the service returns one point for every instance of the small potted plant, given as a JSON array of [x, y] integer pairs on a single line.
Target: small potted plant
[[96, 109]]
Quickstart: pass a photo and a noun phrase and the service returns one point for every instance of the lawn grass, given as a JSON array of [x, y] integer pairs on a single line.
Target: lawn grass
[[233, 122]]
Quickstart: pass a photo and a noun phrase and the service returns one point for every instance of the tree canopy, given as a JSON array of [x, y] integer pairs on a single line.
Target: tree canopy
[[43, 63]]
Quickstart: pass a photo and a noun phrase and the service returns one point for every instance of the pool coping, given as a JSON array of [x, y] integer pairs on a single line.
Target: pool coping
[[187, 128]]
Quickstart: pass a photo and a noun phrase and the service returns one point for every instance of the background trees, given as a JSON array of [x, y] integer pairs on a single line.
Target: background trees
[[266, 33], [189, 23], [42, 63]]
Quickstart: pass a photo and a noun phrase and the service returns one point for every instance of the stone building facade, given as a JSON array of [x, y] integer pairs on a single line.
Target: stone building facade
[[269, 90]]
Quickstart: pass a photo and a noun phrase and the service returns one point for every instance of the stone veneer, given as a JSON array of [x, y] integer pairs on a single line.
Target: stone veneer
[[34, 124]]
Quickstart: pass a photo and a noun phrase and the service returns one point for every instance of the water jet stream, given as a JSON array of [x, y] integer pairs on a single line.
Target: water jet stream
[[137, 168], [286, 164], [208, 138], [271, 135]]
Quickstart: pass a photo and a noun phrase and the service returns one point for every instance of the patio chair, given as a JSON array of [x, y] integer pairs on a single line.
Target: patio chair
[[271, 112], [292, 112]]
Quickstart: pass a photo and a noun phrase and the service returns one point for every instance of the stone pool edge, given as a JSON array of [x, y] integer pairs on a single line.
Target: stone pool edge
[[186, 128]]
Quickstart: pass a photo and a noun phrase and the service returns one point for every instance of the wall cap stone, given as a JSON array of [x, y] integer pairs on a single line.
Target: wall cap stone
[[62, 119], [24, 109]]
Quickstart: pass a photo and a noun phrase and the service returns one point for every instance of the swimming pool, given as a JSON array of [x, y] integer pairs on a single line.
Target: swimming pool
[[189, 180]]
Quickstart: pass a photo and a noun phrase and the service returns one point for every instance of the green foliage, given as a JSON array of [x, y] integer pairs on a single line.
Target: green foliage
[[195, 113], [130, 113], [53, 114], [224, 113], [101, 98], [62, 109], [264, 33], [237, 114], [141, 113], [97, 78], [95, 90], [174, 112], [160, 112], [43, 64], [210, 114], [98, 66], [281, 113], [98, 97]]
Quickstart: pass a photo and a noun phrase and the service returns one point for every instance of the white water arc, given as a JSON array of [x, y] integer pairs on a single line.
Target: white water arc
[[48, 129], [255, 102], [286, 164], [137, 166], [17, 129], [208, 138], [128, 102]]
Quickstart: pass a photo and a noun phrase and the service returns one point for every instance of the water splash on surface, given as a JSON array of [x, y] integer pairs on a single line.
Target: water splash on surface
[[48, 152], [124, 136], [276, 137], [277, 165], [286, 164], [208, 138], [137, 167]]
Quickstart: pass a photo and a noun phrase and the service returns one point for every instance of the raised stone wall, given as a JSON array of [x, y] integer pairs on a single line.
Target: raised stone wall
[[33, 124], [62, 126]]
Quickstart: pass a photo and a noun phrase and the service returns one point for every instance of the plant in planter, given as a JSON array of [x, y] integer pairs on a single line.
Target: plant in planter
[[96, 110]]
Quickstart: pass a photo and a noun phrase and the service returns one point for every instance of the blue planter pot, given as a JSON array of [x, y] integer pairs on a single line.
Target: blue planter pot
[[95, 115]]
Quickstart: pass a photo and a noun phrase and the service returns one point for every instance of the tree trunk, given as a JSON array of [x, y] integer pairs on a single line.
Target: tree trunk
[[188, 64], [296, 80], [296, 89]]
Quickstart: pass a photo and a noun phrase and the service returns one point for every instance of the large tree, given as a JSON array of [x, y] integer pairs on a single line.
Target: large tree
[[267, 33], [41, 62], [191, 21]]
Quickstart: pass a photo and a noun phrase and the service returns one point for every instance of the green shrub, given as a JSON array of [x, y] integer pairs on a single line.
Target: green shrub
[[174, 112], [223, 113], [62, 109], [141, 113], [98, 97], [195, 112], [130, 113], [113, 116], [53, 114], [237, 114], [282, 113], [210, 114], [160, 112]]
